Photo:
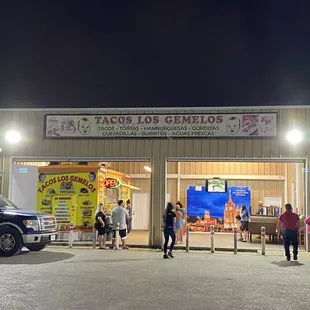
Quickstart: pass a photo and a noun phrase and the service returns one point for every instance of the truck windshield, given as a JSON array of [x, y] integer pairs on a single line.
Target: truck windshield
[[6, 204]]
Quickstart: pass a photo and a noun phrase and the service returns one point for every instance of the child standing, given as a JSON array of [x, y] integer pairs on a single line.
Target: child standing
[[244, 223], [238, 218]]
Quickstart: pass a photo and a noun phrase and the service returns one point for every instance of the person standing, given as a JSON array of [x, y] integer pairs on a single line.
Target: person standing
[[100, 226], [179, 223], [238, 218], [120, 215], [181, 208], [244, 223], [169, 218], [129, 210], [290, 224]]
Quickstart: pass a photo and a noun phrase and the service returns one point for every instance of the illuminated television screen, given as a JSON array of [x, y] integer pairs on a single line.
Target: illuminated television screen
[[216, 186]]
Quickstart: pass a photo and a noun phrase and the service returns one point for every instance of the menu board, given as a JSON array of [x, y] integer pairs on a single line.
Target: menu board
[[62, 209]]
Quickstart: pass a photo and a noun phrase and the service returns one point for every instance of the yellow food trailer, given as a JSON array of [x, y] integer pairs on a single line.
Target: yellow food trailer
[[72, 193]]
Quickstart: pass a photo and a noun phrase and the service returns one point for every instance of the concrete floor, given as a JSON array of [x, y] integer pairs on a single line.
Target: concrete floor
[[63, 279]]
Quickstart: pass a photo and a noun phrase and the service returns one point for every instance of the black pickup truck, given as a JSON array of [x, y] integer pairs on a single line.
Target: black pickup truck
[[19, 228]]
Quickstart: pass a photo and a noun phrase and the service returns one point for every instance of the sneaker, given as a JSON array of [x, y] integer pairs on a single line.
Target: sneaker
[[288, 258], [125, 247], [170, 255], [165, 256], [295, 257]]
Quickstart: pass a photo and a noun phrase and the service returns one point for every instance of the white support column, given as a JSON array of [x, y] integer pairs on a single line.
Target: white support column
[[293, 202], [2, 174], [10, 169], [297, 188], [307, 202], [285, 185]]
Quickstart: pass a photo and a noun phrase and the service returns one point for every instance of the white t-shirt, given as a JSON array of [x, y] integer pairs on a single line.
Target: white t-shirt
[[120, 214]]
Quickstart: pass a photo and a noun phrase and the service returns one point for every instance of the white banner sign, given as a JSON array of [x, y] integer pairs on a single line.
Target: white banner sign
[[161, 126]]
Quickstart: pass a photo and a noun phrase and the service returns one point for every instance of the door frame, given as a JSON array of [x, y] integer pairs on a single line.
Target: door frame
[[303, 160]]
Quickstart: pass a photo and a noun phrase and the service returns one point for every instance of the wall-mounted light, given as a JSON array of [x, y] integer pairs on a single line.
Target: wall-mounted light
[[12, 137], [294, 136], [147, 168]]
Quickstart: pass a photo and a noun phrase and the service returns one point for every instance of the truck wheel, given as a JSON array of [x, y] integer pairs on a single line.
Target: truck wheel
[[10, 241], [35, 247]]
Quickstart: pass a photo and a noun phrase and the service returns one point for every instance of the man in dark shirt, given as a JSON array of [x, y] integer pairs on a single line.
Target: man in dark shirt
[[290, 224], [100, 226]]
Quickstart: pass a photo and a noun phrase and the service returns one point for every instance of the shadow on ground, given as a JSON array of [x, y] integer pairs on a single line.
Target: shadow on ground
[[285, 263], [111, 260], [35, 258]]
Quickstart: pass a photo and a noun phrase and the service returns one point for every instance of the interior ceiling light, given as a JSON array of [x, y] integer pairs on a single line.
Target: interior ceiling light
[[147, 168]]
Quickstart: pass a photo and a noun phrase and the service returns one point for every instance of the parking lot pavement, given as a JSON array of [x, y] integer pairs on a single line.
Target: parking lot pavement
[[77, 278]]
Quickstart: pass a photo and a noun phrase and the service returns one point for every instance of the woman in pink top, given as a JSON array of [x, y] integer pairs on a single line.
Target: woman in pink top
[[307, 221]]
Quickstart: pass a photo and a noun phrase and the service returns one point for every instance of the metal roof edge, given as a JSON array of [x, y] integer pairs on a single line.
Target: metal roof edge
[[179, 109]]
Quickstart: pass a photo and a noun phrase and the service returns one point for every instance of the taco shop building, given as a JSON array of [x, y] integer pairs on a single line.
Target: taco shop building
[[170, 154]]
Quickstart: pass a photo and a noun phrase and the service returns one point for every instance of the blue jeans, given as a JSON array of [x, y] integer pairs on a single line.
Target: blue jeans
[[181, 230], [290, 237], [169, 232], [179, 224]]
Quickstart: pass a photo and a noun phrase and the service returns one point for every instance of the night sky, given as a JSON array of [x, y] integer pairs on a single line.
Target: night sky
[[148, 54]]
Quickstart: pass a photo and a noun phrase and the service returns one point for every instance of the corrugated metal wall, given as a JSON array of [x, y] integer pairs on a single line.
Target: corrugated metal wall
[[31, 123]]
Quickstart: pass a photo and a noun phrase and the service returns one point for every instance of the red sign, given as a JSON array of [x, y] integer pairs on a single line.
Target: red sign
[[111, 183]]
